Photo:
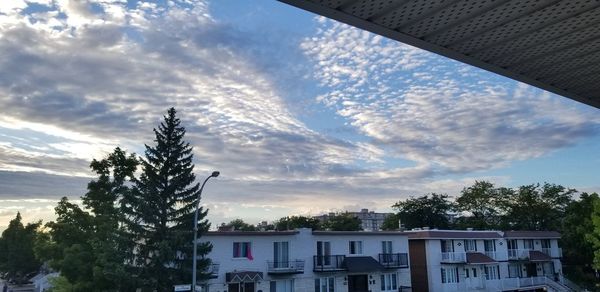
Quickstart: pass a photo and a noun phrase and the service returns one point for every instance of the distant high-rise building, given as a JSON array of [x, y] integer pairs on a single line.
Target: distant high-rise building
[[370, 221]]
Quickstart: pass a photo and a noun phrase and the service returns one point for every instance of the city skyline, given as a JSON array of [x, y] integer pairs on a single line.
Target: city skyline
[[301, 114]]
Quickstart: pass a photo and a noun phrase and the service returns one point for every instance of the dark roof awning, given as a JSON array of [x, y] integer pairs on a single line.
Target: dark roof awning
[[362, 265], [477, 258], [243, 276], [550, 44], [538, 256]]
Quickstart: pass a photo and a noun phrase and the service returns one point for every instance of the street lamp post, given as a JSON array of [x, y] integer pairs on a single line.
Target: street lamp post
[[194, 260]]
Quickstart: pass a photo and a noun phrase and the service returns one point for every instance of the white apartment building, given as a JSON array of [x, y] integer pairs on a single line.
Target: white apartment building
[[466, 260], [307, 260]]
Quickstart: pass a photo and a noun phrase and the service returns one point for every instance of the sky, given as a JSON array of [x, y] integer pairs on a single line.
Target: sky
[[299, 113]]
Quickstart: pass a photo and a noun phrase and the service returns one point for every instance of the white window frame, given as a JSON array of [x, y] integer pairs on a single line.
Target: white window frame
[[325, 284], [492, 272], [355, 247], [449, 275], [470, 245], [389, 282], [276, 285]]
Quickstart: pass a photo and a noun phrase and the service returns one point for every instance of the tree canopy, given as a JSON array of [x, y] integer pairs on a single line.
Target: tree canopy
[[293, 222], [342, 222], [17, 258], [430, 210]]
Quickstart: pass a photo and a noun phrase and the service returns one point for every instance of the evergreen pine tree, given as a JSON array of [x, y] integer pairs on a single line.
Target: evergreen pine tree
[[163, 205]]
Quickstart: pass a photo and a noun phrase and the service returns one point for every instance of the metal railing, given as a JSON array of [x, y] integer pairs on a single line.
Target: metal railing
[[327, 263], [454, 257], [394, 260], [285, 267], [518, 254]]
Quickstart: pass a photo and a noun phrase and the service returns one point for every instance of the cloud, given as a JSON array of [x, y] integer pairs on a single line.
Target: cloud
[[441, 114]]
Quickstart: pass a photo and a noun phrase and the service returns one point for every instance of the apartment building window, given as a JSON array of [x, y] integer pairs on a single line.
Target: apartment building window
[[325, 284], [546, 243], [281, 254], [449, 275], [282, 286], [492, 272], [512, 244], [389, 282], [447, 245], [514, 271], [528, 243], [242, 250], [470, 245], [489, 245], [355, 247], [323, 253]]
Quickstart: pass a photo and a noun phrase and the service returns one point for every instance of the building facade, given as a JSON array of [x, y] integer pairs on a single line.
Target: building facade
[[306, 260], [456, 260]]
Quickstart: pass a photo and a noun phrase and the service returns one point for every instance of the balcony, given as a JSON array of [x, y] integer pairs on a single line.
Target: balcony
[[285, 267], [453, 257], [518, 254], [213, 270], [554, 253], [393, 260], [328, 263]]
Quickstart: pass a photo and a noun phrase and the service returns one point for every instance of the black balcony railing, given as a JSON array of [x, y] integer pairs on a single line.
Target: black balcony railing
[[393, 260], [285, 267], [328, 263]]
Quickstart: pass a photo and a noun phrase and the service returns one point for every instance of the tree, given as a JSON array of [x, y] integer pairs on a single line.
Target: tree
[[481, 205], [578, 250], [343, 222], [425, 211], [535, 207], [594, 236], [17, 259], [161, 210], [293, 222], [239, 224], [88, 246]]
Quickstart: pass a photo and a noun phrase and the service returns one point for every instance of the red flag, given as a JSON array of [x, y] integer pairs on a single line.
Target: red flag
[[249, 252]]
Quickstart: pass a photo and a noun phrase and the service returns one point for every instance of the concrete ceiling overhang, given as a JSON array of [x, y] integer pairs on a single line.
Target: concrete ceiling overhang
[[550, 44]]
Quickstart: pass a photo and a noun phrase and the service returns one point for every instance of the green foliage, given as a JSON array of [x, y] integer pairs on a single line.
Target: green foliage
[[17, 259], [483, 204], [425, 211], [593, 237], [391, 222], [535, 207], [342, 222], [161, 209], [90, 247], [293, 222], [239, 224]]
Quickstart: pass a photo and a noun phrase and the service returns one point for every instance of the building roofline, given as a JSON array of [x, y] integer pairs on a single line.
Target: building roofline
[[329, 232], [250, 233]]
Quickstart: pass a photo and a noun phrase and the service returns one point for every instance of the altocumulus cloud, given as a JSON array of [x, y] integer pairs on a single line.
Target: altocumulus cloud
[[80, 77]]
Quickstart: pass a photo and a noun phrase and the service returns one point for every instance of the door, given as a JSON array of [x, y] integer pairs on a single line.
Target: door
[[241, 287], [386, 250], [358, 283], [323, 253], [474, 277], [281, 254], [248, 287], [531, 270]]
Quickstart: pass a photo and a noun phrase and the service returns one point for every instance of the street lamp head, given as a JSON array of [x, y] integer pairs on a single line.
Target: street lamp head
[[215, 174]]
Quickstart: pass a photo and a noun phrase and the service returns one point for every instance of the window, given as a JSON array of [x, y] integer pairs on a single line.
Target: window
[[546, 243], [282, 286], [242, 250], [514, 271], [355, 247], [528, 243], [470, 245], [492, 272], [512, 244], [389, 282], [325, 284], [323, 253], [281, 254], [474, 272], [449, 275], [466, 273], [489, 245], [447, 245]]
